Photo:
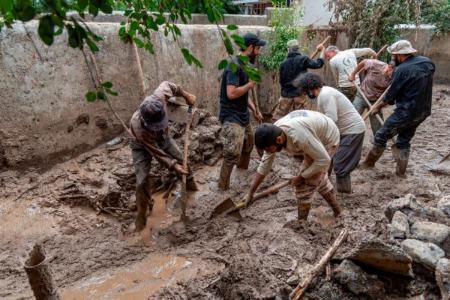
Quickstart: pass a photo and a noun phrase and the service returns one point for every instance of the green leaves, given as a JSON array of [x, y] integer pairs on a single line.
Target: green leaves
[[46, 29], [232, 27], [23, 10], [223, 64], [190, 59], [101, 92]]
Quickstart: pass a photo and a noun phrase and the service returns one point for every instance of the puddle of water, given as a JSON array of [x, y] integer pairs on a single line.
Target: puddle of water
[[22, 221], [138, 281]]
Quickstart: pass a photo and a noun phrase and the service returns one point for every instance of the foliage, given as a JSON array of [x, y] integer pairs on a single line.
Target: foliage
[[285, 27], [438, 14], [373, 23], [143, 17]]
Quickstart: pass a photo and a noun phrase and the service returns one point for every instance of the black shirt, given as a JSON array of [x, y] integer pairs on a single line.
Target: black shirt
[[412, 84], [236, 110], [291, 67]]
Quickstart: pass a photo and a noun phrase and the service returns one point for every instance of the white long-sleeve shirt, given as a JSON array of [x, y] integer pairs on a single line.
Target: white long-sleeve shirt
[[344, 62], [309, 133], [338, 108]]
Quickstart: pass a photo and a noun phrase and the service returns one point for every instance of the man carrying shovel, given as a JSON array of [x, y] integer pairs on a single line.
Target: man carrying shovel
[[307, 133], [294, 65], [351, 126], [378, 76], [149, 126], [234, 113], [411, 92]]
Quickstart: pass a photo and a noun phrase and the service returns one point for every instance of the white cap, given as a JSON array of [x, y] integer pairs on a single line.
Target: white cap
[[401, 47]]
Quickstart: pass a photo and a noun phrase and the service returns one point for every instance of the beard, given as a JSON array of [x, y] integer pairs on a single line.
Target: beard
[[280, 147], [396, 60], [310, 95]]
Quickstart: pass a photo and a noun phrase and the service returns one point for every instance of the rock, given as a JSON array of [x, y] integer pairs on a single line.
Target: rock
[[379, 255], [444, 205], [426, 254], [358, 281], [399, 227], [435, 233], [115, 141], [82, 119], [101, 122], [407, 205], [293, 280], [443, 277]]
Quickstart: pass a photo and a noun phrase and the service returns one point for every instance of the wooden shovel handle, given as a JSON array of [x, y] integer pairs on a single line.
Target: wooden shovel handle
[[323, 43], [381, 51], [271, 190]]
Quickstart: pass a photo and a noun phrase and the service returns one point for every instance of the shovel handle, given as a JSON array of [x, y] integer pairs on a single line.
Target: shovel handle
[[271, 190], [323, 43]]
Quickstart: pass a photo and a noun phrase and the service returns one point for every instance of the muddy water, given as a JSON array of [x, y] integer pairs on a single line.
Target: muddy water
[[136, 282]]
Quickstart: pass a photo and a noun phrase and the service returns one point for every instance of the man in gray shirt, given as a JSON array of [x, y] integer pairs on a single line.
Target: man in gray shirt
[[343, 63], [351, 126]]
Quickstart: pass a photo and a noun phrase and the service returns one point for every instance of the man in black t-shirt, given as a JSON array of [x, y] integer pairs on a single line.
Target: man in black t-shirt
[[234, 113]]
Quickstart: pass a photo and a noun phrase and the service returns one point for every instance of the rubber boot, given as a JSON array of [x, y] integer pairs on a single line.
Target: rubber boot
[[303, 210], [401, 156], [344, 184], [330, 197], [244, 161], [224, 178], [372, 157]]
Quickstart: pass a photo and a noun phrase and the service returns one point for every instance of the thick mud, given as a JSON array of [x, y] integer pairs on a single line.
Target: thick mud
[[81, 210]]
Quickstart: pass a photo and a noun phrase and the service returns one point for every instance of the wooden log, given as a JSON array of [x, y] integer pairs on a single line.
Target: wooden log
[[301, 288], [40, 275]]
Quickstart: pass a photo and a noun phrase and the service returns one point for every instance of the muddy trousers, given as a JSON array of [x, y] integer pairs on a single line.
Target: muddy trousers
[[348, 154], [286, 105], [349, 92], [142, 160], [318, 183], [237, 146], [360, 106]]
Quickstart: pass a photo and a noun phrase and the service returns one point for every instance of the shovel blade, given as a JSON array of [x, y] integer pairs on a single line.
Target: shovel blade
[[223, 207]]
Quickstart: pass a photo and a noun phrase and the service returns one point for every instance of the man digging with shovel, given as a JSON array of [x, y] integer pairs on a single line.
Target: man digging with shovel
[[338, 108], [411, 92], [311, 134], [149, 126]]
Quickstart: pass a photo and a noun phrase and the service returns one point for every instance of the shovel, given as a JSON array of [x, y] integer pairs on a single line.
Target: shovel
[[185, 165], [228, 207]]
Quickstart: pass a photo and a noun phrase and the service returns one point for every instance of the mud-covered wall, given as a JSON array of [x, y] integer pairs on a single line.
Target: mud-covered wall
[[44, 116]]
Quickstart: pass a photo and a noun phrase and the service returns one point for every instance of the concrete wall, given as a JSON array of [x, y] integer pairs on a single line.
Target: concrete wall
[[436, 48], [44, 116]]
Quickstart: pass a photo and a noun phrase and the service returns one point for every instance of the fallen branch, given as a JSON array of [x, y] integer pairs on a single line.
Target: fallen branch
[[301, 288]]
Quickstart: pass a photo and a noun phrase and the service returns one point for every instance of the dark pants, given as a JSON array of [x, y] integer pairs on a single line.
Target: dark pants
[[400, 123], [348, 154], [142, 160]]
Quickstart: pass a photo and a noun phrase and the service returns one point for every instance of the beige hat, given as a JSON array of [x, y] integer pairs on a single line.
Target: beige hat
[[293, 44], [401, 47]]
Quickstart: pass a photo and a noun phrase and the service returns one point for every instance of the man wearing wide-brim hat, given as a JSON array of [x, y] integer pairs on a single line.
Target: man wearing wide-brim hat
[[411, 92], [150, 128]]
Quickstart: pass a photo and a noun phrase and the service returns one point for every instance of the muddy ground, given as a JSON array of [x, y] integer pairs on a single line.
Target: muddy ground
[[80, 211]]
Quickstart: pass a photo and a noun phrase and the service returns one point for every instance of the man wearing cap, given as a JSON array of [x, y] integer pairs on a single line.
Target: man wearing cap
[[351, 126], [234, 113], [307, 133], [343, 63], [378, 76], [294, 65], [411, 92], [149, 126]]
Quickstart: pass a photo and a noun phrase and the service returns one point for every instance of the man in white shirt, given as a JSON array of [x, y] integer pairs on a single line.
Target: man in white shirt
[[342, 64], [351, 126], [307, 133]]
